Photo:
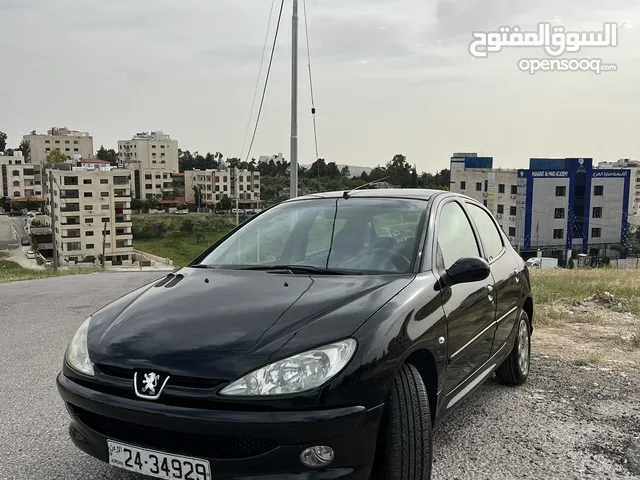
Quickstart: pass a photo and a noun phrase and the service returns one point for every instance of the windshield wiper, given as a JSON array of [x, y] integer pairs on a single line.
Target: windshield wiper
[[302, 269]]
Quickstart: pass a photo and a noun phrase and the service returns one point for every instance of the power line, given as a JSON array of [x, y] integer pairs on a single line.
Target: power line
[[266, 81], [255, 92], [313, 105]]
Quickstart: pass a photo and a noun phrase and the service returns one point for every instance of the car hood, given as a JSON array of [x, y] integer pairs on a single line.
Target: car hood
[[222, 323]]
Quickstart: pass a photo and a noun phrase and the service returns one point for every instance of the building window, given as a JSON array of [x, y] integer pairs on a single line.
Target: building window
[[104, 181], [105, 207], [89, 233], [512, 231], [105, 219], [75, 142], [596, 232], [478, 186], [558, 233], [88, 194], [561, 191], [86, 181], [512, 211], [486, 184], [88, 220], [104, 194], [88, 208], [501, 188], [598, 190], [500, 209], [514, 189], [90, 246], [559, 213], [484, 201], [597, 212]]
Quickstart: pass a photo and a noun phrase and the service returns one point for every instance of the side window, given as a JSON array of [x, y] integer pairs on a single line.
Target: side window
[[455, 236], [488, 231]]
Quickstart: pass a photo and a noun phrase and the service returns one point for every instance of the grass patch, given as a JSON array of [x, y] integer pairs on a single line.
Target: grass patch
[[594, 358], [12, 272], [553, 286], [180, 248]]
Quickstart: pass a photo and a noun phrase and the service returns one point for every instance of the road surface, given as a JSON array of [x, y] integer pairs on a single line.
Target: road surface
[[567, 422]]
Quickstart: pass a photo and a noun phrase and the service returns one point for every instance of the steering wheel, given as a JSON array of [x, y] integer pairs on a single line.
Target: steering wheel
[[398, 260]]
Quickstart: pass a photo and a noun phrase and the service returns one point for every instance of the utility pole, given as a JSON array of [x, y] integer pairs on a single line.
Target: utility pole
[[52, 215], [293, 183], [237, 182], [104, 243]]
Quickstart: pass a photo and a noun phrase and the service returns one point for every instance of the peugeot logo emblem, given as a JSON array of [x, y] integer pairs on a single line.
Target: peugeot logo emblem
[[149, 385]]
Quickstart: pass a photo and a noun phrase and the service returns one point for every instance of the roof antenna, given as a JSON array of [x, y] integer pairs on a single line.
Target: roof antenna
[[345, 195]]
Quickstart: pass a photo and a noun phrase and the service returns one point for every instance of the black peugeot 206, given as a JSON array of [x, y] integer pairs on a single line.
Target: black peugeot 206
[[322, 339]]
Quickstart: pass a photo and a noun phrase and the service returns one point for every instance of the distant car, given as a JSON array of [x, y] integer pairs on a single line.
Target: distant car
[[31, 255], [25, 241], [364, 320], [182, 211]]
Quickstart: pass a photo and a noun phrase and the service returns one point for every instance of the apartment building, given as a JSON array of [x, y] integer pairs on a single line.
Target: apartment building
[[18, 179], [91, 205], [497, 189], [151, 157], [69, 142], [634, 195], [216, 183], [556, 205]]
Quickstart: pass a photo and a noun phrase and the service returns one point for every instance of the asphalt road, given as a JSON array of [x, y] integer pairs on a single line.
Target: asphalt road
[[567, 422]]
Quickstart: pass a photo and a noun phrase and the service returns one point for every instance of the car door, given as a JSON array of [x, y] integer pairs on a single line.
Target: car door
[[469, 307], [505, 272]]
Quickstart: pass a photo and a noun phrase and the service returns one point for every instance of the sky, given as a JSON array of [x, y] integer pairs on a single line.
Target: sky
[[389, 77]]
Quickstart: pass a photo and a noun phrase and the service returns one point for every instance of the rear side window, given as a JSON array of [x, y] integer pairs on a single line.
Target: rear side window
[[455, 237], [487, 229]]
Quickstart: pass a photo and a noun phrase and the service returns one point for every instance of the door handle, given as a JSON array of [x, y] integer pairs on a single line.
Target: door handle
[[490, 292]]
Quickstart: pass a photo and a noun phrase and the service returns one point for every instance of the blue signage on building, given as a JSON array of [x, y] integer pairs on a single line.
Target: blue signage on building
[[550, 173]]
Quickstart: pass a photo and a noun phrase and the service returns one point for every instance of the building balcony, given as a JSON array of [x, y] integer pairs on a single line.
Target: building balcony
[[123, 220], [167, 189], [70, 209], [124, 236]]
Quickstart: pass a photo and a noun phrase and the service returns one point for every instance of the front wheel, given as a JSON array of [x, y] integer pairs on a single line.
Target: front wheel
[[515, 369], [408, 442]]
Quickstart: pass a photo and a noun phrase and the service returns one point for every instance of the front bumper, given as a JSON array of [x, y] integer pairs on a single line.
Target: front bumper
[[237, 444]]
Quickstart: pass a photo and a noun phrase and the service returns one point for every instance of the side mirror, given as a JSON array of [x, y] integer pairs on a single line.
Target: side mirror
[[467, 270]]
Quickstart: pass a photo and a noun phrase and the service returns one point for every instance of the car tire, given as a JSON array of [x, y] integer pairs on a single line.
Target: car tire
[[516, 367], [408, 442]]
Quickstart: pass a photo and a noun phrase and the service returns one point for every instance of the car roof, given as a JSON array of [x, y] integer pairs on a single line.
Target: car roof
[[410, 193]]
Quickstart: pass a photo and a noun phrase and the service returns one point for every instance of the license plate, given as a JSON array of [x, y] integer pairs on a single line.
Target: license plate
[[157, 464]]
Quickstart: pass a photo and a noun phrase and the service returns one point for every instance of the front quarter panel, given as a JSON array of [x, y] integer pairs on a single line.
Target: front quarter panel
[[413, 320]]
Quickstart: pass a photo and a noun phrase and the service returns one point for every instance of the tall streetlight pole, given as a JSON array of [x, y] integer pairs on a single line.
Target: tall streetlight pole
[[293, 184]]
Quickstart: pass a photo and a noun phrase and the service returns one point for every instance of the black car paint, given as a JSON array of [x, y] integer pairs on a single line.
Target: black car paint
[[226, 334]]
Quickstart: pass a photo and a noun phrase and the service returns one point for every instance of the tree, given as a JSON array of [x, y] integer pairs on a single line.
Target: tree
[[3, 141], [56, 156], [225, 203], [25, 148], [107, 155]]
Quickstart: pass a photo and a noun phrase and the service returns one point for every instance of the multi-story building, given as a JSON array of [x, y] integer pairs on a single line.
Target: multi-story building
[[634, 195], [565, 205], [559, 206], [20, 180], [215, 184], [69, 142], [92, 205], [151, 157], [497, 188]]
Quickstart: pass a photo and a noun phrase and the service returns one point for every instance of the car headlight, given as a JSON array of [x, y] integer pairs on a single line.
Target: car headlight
[[296, 374], [78, 352]]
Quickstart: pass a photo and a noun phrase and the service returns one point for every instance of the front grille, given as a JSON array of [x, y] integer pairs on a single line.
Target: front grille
[[178, 381], [196, 444]]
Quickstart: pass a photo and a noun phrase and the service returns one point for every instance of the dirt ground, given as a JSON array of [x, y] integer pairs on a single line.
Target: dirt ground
[[600, 330]]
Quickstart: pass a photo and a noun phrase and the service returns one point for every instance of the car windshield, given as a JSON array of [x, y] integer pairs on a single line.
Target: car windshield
[[354, 235]]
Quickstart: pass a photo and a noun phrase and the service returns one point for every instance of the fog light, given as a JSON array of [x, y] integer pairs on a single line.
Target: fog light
[[315, 457]]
